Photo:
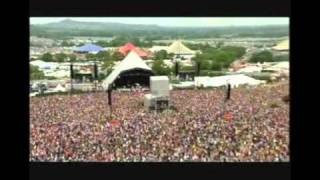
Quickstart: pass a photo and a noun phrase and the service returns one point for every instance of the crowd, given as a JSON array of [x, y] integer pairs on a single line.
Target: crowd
[[76, 127]]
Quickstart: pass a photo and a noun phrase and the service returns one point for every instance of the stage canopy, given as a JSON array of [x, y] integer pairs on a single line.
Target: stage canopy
[[131, 70]]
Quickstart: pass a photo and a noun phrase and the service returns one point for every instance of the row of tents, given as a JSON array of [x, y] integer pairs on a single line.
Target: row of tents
[[177, 48], [132, 70]]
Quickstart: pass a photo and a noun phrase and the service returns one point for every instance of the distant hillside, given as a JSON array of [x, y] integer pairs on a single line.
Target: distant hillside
[[70, 24], [67, 28]]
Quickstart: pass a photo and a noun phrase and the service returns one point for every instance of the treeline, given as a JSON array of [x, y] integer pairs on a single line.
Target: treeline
[[59, 57], [35, 73], [100, 56], [149, 33], [218, 58], [267, 56], [121, 40]]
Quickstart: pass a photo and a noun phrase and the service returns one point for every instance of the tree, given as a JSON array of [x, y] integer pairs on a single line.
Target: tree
[[35, 73], [103, 43], [222, 58], [135, 41], [170, 56], [103, 55], [72, 58], [193, 46], [236, 50], [263, 56], [218, 58], [90, 57], [159, 68], [205, 46], [117, 56], [60, 57], [107, 64], [278, 58], [160, 55], [217, 66], [47, 57], [205, 65], [220, 44], [66, 43], [118, 41]]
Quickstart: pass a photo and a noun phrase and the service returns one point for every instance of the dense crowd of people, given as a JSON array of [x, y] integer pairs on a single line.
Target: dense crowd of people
[[77, 127]]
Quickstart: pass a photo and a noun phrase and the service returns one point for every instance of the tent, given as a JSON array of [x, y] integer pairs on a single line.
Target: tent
[[131, 70], [249, 69], [141, 52], [44, 65], [185, 84], [282, 46], [234, 80], [130, 47], [59, 88], [178, 48], [126, 48], [58, 73], [89, 48], [39, 63], [281, 67]]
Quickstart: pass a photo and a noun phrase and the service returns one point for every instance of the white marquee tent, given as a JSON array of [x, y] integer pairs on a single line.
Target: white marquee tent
[[249, 69], [282, 46], [59, 88], [280, 66], [44, 65], [234, 80]]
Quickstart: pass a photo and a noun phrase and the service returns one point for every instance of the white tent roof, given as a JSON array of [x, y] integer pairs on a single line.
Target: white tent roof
[[249, 69], [168, 62], [184, 84], [282, 46], [131, 61], [37, 62], [281, 66], [178, 48], [60, 88], [284, 65], [43, 64], [58, 74], [234, 80]]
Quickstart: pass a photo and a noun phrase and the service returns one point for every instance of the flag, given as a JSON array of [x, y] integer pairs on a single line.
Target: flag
[[114, 122], [228, 116]]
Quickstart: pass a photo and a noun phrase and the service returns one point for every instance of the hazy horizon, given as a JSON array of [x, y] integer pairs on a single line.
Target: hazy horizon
[[173, 21]]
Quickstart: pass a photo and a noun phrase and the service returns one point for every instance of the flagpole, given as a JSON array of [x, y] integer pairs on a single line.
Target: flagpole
[[71, 77], [110, 101], [110, 118]]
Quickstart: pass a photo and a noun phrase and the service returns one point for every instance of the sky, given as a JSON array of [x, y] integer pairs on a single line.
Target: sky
[[176, 21]]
